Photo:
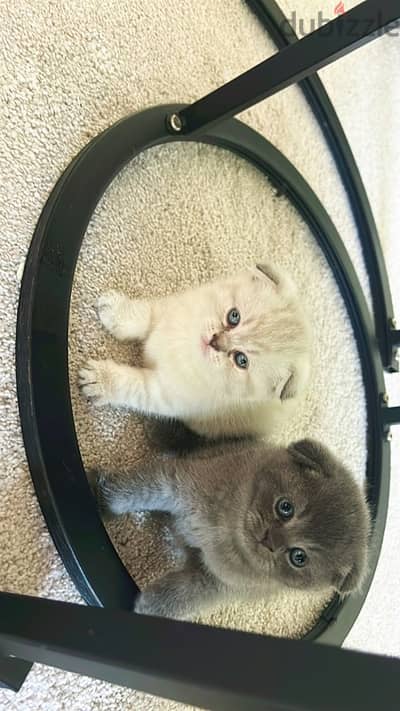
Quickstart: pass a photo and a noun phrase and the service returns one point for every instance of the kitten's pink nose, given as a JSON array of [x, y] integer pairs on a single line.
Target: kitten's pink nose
[[268, 541], [214, 342], [219, 342]]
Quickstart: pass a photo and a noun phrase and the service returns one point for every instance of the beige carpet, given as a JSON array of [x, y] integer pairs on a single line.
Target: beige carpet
[[177, 216]]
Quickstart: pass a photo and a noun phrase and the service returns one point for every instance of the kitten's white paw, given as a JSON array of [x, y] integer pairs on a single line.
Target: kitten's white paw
[[96, 381], [154, 602], [141, 605], [112, 307]]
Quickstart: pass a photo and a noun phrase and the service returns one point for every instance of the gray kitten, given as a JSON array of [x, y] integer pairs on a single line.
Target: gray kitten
[[253, 519]]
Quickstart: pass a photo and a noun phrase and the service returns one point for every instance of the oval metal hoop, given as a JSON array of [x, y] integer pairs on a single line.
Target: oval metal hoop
[[42, 352]]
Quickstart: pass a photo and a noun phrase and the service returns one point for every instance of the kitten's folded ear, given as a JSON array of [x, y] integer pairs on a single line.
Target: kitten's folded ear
[[310, 454], [278, 279], [289, 389], [352, 581], [270, 272], [294, 381]]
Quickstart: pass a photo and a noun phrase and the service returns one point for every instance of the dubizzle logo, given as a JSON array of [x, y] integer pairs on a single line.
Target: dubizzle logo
[[350, 25]]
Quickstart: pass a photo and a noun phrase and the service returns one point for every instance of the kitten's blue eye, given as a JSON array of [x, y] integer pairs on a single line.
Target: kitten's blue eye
[[298, 557], [233, 317], [285, 509], [241, 360]]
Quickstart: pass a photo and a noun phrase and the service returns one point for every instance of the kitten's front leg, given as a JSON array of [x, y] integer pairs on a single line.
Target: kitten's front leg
[[181, 594], [126, 319], [108, 383], [149, 486]]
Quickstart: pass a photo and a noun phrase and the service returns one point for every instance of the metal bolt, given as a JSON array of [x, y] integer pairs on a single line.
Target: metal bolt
[[389, 436], [174, 122], [385, 398], [393, 323]]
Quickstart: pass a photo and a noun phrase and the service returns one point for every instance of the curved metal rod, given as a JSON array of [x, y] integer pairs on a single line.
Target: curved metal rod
[[42, 352], [278, 26]]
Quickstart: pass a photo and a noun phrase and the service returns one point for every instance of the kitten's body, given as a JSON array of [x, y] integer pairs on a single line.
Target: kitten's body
[[224, 503], [190, 369]]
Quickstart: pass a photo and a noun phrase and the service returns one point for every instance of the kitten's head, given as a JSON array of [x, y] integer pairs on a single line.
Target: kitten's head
[[308, 523], [253, 338]]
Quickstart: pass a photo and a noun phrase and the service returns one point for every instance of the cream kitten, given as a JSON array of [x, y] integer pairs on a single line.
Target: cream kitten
[[229, 358]]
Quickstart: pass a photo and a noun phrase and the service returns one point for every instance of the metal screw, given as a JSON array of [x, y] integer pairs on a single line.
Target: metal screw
[[385, 398], [174, 122], [393, 323]]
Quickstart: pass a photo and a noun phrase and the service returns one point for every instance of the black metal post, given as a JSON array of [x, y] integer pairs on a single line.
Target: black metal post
[[233, 670], [292, 64], [391, 416], [395, 339], [13, 672]]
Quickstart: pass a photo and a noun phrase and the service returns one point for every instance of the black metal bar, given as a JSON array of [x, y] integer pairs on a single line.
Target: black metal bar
[[209, 667], [13, 672], [297, 61], [278, 26], [395, 337], [391, 416], [56, 467]]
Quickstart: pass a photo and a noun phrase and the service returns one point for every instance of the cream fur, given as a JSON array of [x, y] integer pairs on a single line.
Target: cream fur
[[187, 377]]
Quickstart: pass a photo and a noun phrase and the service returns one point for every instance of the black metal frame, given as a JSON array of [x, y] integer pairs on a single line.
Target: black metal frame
[[43, 386], [42, 347], [293, 63], [175, 659], [278, 27]]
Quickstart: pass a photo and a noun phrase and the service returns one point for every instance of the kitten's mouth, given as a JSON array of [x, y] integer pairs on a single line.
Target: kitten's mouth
[[204, 344]]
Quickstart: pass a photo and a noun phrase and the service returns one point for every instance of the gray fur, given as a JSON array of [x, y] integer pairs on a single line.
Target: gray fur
[[223, 505]]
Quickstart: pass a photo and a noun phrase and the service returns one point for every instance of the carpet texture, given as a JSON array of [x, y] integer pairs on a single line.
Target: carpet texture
[[176, 216]]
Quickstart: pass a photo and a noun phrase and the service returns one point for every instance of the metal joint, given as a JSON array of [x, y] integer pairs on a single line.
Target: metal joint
[[175, 123]]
